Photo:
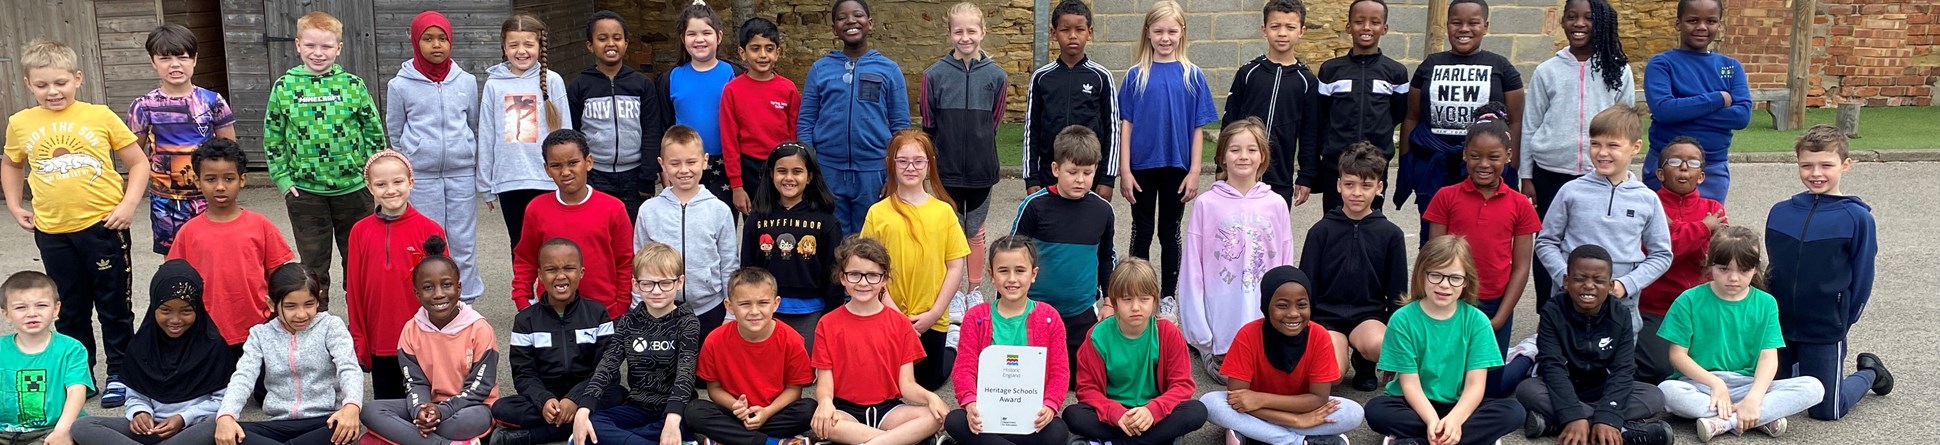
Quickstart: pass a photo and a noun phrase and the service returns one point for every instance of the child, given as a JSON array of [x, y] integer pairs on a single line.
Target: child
[[793, 234], [1438, 347], [1166, 100], [314, 391], [867, 363], [516, 108], [852, 100], [1587, 392], [1072, 228], [1445, 96], [755, 400], [964, 95], [169, 122], [1695, 92], [180, 367], [1724, 339], [1240, 228], [694, 222], [576, 212], [555, 347], [1134, 378], [238, 247], [451, 356], [1693, 218], [1361, 100], [82, 208], [1359, 264], [378, 288], [659, 340], [1012, 320], [1292, 120], [29, 301], [1611, 209], [765, 107], [1072, 90], [314, 161], [621, 115], [917, 222], [1499, 224], [429, 116], [1293, 369], [1823, 246], [693, 89]]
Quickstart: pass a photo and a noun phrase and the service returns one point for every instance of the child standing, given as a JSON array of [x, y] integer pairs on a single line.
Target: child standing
[[48, 413], [693, 89], [866, 365], [1446, 95], [429, 116], [378, 288], [659, 341], [1693, 218], [1698, 93], [313, 389], [1438, 347], [65, 150], [1361, 99], [1072, 228], [1359, 264], [1166, 100], [1240, 229], [1725, 338], [621, 115], [793, 234], [1013, 320], [1587, 390], [754, 400], [180, 367], [1499, 224], [555, 347], [1134, 377], [852, 100], [1279, 90], [517, 109], [237, 247], [169, 122], [1283, 373], [450, 354], [964, 95], [765, 107], [1823, 246], [694, 222], [917, 221], [1072, 90], [576, 212], [1610, 209], [314, 162]]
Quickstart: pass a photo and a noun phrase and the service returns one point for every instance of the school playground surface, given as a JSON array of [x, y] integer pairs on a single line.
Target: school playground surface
[[1899, 324]]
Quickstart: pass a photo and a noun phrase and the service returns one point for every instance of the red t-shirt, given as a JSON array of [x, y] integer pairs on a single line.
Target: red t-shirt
[[865, 354], [1247, 361], [745, 368], [1491, 226], [234, 259]]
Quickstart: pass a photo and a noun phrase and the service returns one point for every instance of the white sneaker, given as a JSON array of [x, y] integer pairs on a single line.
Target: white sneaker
[[1169, 308], [1232, 438], [958, 304], [1710, 427], [1775, 428]]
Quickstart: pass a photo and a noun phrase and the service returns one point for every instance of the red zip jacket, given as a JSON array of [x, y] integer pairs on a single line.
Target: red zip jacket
[[377, 283], [1689, 241], [1043, 328], [1175, 376]]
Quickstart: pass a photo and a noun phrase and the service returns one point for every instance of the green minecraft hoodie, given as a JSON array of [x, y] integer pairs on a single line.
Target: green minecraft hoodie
[[319, 130]]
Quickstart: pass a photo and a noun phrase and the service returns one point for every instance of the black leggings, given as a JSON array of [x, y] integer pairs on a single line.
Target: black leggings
[[1158, 201], [387, 378], [938, 360], [958, 425], [1494, 418], [1547, 184], [1184, 419], [313, 431], [512, 204]]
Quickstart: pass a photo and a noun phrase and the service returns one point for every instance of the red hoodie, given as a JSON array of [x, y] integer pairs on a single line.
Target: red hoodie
[[1174, 374], [377, 283], [1690, 238]]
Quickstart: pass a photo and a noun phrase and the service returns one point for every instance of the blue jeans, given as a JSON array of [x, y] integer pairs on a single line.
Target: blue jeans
[[1824, 362], [854, 192], [628, 425]]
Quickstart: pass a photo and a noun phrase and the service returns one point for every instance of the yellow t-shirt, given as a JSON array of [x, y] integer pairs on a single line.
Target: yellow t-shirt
[[919, 245], [69, 158]]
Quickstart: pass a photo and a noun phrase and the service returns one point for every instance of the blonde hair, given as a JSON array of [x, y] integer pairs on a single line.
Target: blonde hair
[[1133, 276], [966, 9], [658, 257], [1162, 10], [47, 53], [681, 135], [1250, 125], [1443, 250], [528, 23], [321, 21]]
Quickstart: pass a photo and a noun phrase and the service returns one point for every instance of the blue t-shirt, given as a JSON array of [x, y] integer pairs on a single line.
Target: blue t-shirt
[[697, 101], [33, 400], [1163, 111]]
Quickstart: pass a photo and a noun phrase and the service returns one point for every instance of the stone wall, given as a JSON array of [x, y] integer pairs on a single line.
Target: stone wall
[[1869, 52]]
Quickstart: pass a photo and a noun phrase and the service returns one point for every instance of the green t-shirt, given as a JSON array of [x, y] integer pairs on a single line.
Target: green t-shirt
[[1009, 331], [33, 400], [1723, 335], [1131, 364], [1438, 351]]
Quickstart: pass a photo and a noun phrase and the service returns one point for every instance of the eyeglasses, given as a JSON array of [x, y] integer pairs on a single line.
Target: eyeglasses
[[1686, 163], [912, 162], [862, 277], [655, 286], [1452, 280]]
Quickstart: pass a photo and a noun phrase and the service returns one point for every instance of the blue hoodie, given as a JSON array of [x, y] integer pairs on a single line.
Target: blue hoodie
[[1822, 249], [1683, 89], [850, 107]]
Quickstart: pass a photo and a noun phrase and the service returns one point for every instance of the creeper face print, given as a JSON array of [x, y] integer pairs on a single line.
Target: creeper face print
[[31, 386]]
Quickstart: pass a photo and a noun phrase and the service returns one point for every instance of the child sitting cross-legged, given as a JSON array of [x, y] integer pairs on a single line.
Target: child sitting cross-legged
[[1281, 372], [755, 369]]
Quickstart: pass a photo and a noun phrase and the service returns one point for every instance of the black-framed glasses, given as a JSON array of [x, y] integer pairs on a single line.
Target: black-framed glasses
[[1687, 163], [1451, 279], [862, 277], [655, 285]]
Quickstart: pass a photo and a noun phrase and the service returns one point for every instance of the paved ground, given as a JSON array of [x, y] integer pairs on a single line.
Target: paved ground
[[1897, 325]]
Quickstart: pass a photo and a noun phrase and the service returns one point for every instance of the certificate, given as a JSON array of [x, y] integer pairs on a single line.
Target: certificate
[[1010, 388]]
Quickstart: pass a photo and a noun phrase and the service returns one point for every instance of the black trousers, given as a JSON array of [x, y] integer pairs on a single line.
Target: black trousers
[[1076, 330], [717, 422], [630, 186], [512, 204], [1185, 418], [1158, 203], [710, 320], [1653, 352], [519, 412], [938, 360], [1645, 401], [1547, 184], [387, 378], [315, 431], [958, 425], [1494, 418], [91, 273]]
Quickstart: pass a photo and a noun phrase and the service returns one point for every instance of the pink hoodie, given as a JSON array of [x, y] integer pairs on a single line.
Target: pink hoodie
[[455, 366], [1232, 238]]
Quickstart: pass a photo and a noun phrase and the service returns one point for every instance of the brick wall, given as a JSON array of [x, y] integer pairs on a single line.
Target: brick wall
[[1870, 52]]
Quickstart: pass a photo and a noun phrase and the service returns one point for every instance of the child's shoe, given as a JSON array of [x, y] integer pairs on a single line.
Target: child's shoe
[[1169, 308], [1212, 362], [1391, 440], [1327, 440], [1882, 380], [1649, 432], [1534, 425], [1775, 428], [509, 436], [1232, 438], [1364, 374], [1710, 427], [797, 440], [114, 394]]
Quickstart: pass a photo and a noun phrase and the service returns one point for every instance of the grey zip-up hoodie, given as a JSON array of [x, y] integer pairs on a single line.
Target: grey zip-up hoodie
[[702, 230], [432, 122], [1563, 95], [1625, 219], [306, 375], [510, 158]]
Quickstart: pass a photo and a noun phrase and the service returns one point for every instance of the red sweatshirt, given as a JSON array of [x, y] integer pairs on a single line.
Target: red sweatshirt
[[1689, 241], [605, 237], [378, 289], [1174, 374], [756, 116]]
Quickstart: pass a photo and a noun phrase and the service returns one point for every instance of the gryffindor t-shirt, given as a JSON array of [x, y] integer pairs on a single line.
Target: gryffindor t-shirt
[[69, 158]]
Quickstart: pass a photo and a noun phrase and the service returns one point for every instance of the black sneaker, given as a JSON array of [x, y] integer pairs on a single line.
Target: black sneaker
[[1882, 380], [1364, 375], [1327, 440], [1534, 425], [507, 436], [1391, 440], [1648, 432]]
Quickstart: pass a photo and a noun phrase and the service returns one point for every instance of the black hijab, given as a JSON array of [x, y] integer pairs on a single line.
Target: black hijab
[[1282, 351], [175, 370]]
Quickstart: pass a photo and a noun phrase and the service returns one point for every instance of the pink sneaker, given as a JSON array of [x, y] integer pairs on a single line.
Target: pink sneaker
[[1710, 427]]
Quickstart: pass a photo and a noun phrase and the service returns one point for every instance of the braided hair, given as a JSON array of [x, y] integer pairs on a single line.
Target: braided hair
[[1608, 58], [528, 23]]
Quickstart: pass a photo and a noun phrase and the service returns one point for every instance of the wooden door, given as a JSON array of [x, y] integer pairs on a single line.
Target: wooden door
[[359, 51]]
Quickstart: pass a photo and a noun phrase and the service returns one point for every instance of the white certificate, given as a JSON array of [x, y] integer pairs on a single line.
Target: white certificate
[[1010, 388]]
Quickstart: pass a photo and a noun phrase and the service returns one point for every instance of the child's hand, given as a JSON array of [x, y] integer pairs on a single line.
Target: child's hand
[[345, 426], [1748, 413], [142, 424], [938, 410], [1451, 431], [741, 200], [228, 432], [1575, 433], [566, 409], [1135, 421], [1128, 186], [1727, 98], [59, 437], [755, 418], [1712, 221], [670, 435], [427, 420], [1721, 401], [491, 206], [740, 407], [922, 322], [823, 423], [122, 216], [1044, 417], [1189, 188], [168, 428], [583, 428], [294, 193], [1318, 416], [1031, 190], [976, 417], [550, 412], [1245, 401], [1529, 189], [1300, 193], [24, 217], [1606, 435], [1103, 191], [1617, 290]]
